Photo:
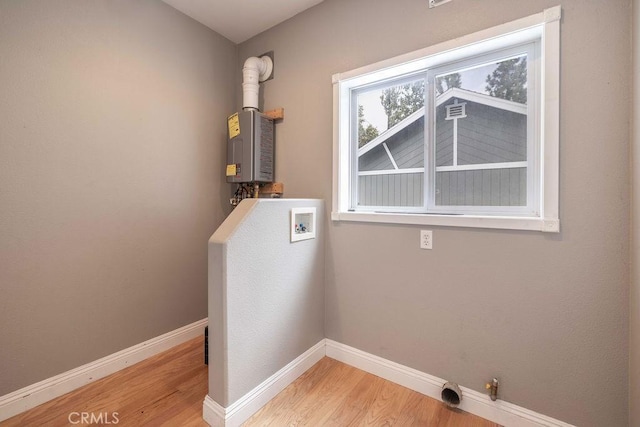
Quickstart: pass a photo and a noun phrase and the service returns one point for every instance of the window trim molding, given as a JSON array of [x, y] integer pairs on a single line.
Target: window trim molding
[[546, 25], [470, 221]]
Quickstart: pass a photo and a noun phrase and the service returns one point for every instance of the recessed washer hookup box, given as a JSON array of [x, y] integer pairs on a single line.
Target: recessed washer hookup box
[[303, 224]]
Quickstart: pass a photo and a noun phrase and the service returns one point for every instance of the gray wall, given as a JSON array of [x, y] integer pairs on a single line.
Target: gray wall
[[547, 314], [634, 298], [266, 295], [112, 139]]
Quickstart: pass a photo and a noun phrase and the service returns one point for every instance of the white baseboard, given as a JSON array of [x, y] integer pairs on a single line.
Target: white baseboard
[[212, 413], [31, 396], [241, 410], [501, 412], [476, 403]]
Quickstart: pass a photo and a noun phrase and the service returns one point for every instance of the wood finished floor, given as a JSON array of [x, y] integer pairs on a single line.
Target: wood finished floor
[[165, 390], [332, 393], [168, 390]]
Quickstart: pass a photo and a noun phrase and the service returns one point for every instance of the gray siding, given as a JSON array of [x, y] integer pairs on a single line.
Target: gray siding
[[486, 135], [491, 135], [444, 138], [492, 187], [406, 146], [391, 190], [375, 160]]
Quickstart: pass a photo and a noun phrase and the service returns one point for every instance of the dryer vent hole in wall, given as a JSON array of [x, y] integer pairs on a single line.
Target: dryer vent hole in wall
[[451, 394]]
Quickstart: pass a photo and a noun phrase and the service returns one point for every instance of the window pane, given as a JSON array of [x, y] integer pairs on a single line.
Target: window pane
[[481, 134], [390, 138]]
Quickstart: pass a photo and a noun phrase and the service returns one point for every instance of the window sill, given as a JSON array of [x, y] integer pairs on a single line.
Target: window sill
[[496, 222]]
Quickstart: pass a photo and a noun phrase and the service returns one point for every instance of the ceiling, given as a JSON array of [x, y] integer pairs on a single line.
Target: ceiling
[[239, 20]]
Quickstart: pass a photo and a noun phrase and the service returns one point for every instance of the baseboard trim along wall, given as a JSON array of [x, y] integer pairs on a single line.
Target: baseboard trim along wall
[[500, 412], [31, 396], [241, 410], [503, 413], [476, 403]]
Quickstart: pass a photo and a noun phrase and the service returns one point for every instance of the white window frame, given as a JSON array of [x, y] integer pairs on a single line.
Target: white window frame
[[353, 150], [543, 27], [532, 207]]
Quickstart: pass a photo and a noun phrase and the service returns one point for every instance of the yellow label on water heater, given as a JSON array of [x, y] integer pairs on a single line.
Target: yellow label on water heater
[[231, 170], [234, 126]]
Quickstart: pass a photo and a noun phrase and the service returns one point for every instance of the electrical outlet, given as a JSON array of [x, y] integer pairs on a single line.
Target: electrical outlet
[[426, 239]]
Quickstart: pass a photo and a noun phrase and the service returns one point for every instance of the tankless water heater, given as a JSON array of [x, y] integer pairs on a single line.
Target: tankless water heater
[[250, 148]]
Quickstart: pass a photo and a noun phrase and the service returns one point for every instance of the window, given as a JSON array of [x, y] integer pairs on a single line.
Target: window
[[463, 134]]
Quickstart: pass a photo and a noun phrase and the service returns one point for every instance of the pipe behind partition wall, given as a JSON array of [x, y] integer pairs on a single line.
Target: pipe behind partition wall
[[255, 70]]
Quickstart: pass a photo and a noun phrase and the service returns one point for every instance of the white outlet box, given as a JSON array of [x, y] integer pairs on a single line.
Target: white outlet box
[[426, 239]]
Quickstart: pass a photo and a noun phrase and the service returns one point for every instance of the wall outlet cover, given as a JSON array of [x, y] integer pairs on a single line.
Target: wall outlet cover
[[426, 239]]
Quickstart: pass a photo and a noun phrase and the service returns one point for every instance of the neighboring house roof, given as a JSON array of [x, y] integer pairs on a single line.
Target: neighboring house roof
[[391, 131], [467, 95], [482, 98]]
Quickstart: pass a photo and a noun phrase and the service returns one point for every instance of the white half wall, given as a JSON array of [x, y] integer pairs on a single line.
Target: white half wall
[[266, 295]]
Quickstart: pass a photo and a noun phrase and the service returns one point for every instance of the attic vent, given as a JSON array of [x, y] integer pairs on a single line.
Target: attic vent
[[456, 111]]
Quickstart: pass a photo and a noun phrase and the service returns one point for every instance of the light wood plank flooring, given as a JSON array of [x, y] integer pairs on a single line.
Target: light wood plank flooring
[[334, 394], [164, 390], [168, 390]]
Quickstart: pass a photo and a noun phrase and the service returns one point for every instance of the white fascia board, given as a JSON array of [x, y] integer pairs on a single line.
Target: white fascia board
[[482, 98]]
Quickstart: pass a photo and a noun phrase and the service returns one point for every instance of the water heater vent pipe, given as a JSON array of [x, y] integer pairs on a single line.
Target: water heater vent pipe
[[255, 70]]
